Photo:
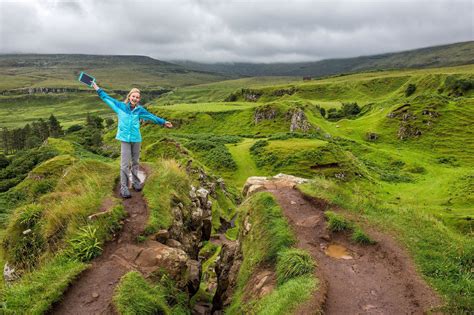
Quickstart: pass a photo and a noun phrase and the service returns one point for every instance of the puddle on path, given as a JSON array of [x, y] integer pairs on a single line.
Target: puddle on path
[[337, 251]]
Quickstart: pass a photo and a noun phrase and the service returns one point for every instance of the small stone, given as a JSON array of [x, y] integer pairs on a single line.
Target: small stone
[[293, 202], [95, 295], [325, 237], [26, 231]]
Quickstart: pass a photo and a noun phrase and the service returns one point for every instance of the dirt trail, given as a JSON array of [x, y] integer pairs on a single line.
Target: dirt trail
[[92, 292], [377, 279]]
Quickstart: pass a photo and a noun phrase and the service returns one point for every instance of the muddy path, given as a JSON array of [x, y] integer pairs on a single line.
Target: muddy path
[[92, 292], [363, 279]]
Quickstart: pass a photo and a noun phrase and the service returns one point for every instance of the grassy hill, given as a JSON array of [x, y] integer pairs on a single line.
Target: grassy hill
[[403, 163], [393, 148], [437, 56], [36, 86]]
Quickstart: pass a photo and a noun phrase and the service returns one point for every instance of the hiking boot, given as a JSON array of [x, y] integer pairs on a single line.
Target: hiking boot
[[124, 193], [137, 187]]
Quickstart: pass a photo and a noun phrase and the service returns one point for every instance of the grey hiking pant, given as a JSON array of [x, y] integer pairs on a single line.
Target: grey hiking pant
[[130, 153]]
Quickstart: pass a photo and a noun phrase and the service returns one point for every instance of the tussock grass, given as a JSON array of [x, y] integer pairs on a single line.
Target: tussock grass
[[337, 222], [134, 295], [269, 238], [58, 235], [167, 185], [359, 236], [37, 291], [293, 263], [287, 297]]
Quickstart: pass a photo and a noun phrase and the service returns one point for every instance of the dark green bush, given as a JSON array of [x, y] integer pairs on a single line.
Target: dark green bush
[[395, 178], [411, 88]]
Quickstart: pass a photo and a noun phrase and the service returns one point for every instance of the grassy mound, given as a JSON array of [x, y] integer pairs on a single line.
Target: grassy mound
[[270, 237]]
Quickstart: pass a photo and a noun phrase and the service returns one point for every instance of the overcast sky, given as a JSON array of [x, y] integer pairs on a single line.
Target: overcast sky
[[229, 30]]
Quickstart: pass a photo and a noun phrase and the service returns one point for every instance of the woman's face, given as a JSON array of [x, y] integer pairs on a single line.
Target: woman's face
[[134, 98]]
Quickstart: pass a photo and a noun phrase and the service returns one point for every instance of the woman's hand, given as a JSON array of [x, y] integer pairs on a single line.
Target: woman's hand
[[168, 124], [95, 86]]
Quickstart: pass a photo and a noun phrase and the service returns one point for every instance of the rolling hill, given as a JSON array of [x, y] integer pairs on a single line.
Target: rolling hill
[[429, 57]]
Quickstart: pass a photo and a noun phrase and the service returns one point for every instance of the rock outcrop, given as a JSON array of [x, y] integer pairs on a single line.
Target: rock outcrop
[[299, 122], [258, 183], [265, 113], [154, 257]]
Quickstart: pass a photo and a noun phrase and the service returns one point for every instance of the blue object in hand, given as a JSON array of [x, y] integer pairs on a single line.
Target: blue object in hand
[[86, 79]]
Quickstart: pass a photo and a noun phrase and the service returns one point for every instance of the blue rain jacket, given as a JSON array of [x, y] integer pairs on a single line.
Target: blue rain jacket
[[128, 119]]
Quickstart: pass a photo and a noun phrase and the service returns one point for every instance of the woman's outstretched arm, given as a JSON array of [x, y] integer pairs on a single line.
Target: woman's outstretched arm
[[147, 116], [112, 102]]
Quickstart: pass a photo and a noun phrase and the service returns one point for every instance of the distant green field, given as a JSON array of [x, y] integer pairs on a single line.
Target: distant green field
[[209, 107]]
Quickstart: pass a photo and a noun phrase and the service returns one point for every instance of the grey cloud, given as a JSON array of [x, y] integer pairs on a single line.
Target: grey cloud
[[233, 30]]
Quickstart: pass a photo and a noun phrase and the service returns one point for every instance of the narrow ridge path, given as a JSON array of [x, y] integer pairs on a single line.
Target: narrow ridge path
[[92, 292], [373, 279]]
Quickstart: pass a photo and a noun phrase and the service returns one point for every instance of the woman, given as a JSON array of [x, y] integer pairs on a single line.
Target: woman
[[129, 114]]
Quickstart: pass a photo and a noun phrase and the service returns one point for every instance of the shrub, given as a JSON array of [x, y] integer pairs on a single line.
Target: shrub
[[350, 109], [322, 110], [449, 160], [336, 222], [292, 263], [74, 128], [256, 147], [3, 161], [411, 88], [417, 169], [395, 178]]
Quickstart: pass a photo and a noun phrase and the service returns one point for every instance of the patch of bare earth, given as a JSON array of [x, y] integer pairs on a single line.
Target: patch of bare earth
[[92, 292], [373, 279]]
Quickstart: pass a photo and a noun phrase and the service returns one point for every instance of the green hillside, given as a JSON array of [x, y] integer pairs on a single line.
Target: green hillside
[[36, 86], [392, 150], [401, 159], [429, 57]]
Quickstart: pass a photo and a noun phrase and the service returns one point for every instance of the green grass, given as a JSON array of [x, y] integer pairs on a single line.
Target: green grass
[[336, 222], [293, 263], [359, 236], [167, 184], [267, 241], [209, 107], [246, 166], [287, 297], [47, 256], [442, 255], [134, 295], [36, 292]]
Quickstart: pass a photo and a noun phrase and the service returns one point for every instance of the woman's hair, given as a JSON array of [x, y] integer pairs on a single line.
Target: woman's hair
[[134, 90]]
